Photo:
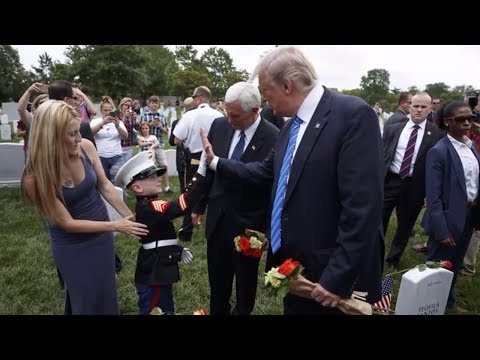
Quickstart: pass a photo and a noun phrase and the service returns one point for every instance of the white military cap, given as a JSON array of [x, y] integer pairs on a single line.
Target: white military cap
[[138, 167]]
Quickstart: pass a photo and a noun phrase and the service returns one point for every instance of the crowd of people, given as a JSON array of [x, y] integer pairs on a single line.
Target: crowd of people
[[313, 169]]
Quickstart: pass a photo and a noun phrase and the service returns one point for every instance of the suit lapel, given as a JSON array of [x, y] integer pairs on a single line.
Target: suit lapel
[[427, 139], [312, 132], [457, 164], [255, 143], [227, 140], [396, 137]]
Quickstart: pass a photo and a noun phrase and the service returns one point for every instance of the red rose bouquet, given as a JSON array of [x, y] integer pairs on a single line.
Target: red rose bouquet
[[278, 278], [252, 243]]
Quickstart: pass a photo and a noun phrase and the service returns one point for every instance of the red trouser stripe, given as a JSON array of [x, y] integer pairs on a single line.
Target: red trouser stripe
[[155, 297]]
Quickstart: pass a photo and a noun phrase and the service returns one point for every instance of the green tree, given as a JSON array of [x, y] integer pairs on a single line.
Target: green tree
[[413, 90], [186, 80], [437, 90], [354, 92], [233, 77], [187, 58], [458, 92], [159, 67], [114, 70], [375, 86], [43, 72], [14, 79], [218, 63], [77, 58]]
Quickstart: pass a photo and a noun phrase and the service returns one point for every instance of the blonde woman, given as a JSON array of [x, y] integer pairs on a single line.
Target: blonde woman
[[64, 179]]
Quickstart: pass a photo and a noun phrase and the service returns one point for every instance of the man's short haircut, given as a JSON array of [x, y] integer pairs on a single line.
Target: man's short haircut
[[403, 97], [202, 91], [60, 89]]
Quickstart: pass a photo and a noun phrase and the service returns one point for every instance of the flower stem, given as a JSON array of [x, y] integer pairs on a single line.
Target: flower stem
[[397, 272]]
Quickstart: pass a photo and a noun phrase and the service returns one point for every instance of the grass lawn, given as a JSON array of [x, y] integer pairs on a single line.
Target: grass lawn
[[29, 284]]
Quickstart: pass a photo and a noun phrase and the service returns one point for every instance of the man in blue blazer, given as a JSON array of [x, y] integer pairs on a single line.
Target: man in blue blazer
[[327, 194]]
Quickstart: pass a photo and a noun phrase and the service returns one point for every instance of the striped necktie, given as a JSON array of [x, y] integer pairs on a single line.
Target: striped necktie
[[282, 186], [407, 157]]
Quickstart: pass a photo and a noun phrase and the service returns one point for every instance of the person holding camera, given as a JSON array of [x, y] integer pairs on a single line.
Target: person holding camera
[[131, 122], [109, 130], [158, 127]]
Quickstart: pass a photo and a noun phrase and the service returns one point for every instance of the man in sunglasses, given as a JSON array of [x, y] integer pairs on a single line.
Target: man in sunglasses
[[435, 103], [405, 150]]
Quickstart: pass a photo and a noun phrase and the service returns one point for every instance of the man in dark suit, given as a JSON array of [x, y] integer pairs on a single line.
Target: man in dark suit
[[401, 115], [405, 150], [329, 187], [233, 207], [268, 114], [431, 114]]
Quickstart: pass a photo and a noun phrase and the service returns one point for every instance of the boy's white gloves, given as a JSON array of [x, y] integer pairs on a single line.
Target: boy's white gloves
[[187, 256]]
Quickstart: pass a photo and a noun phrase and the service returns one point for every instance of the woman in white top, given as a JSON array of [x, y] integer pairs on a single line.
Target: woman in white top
[[109, 130]]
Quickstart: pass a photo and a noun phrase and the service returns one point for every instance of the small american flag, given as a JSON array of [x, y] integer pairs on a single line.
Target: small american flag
[[387, 290]]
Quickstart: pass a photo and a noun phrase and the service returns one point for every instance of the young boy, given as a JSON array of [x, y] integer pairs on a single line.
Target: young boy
[[159, 254]]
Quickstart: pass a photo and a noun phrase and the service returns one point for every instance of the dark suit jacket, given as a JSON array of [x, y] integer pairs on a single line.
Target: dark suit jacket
[[331, 219], [446, 193], [397, 117], [245, 206], [430, 117], [391, 136], [267, 114]]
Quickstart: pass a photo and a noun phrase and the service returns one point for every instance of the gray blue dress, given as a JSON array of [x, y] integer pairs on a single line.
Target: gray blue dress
[[86, 261]]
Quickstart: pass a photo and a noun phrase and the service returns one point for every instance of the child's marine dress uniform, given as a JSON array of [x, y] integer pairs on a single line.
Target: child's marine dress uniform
[[157, 262]]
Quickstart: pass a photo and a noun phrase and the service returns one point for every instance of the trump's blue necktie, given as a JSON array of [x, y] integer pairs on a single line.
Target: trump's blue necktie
[[282, 186], [238, 151]]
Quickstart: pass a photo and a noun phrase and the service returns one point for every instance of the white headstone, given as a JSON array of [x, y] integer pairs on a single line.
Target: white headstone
[[12, 163], [424, 292], [171, 155], [5, 132], [11, 109], [4, 119], [112, 213]]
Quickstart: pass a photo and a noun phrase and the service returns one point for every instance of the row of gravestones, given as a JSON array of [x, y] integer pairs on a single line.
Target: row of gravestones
[[12, 161]]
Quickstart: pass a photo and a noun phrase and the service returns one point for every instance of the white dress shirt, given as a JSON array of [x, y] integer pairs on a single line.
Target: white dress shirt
[[402, 146], [305, 112], [470, 165]]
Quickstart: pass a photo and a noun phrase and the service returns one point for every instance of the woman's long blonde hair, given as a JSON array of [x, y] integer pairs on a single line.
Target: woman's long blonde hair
[[47, 156]]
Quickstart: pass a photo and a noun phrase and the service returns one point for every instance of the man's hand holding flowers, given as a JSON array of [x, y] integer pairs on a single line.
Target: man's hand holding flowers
[[324, 297]]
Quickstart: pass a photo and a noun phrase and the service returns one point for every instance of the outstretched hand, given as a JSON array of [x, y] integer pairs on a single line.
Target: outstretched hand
[[207, 147], [128, 227]]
